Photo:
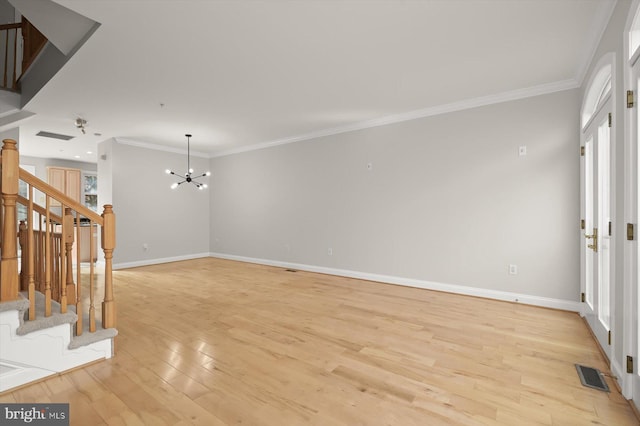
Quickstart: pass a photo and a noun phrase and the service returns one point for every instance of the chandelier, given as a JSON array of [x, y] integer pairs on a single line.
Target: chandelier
[[188, 176]]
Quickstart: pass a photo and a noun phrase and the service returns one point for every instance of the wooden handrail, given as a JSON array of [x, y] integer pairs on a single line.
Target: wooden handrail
[[39, 209], [52, 192], [14, 26]]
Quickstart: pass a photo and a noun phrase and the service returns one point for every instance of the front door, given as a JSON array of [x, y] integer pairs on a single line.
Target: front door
[[596, 239]]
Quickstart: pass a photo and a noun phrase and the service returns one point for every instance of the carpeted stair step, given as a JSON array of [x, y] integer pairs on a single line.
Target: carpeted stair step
[[70, 317], [41, 322]]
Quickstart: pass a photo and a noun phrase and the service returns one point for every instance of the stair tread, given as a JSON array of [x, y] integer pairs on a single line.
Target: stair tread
[[41, 322], [20, 304], [57, 318]]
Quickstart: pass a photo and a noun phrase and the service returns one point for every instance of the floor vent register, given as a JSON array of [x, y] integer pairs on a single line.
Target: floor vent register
[[592, 378]]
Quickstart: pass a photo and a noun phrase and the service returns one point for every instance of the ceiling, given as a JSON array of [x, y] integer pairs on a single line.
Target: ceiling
[[244, 74]]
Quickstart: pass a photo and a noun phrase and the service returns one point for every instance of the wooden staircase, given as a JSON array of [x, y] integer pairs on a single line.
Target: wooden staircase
[[48, 297]]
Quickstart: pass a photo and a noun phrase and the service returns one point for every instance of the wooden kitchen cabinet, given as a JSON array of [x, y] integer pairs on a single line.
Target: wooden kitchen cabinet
[[67, 181]]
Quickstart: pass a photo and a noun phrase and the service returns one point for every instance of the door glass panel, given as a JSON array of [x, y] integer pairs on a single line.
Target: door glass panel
[[604, 217], [589, 225]]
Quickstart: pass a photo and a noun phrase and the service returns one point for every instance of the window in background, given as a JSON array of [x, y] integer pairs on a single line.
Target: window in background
[[91, 191]]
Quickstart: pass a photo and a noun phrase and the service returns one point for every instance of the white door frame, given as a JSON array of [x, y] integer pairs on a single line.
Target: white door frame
[[630, 383], [631, 248]]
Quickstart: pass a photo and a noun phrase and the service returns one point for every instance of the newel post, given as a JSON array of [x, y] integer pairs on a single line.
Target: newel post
[[9, 282], [108, 244]]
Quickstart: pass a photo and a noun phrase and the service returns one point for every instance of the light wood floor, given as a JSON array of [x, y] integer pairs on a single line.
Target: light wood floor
[[216, 342]]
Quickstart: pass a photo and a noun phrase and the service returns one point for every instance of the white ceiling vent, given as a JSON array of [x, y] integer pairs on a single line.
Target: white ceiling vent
[[54, 135]]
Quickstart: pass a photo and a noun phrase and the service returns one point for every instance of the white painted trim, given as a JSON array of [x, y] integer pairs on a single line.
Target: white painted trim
[[633, 10], [512, 95], [630, 255], [594, 37], [546, 302], [607, 59], [147, 145], [20, 374], [157, 261]]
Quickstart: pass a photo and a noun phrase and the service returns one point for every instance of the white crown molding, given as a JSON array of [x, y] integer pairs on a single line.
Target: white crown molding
[[601, 21], [512, 95], [547, 302], [147, 145]]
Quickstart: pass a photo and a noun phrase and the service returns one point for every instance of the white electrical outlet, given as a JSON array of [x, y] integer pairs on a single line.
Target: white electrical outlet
[[513, 269], [145, 246], [369, 166], [522, 151], [330, 251]]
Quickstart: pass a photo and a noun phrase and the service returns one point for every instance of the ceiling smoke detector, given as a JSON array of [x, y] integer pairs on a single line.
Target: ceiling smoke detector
[[80, 123]]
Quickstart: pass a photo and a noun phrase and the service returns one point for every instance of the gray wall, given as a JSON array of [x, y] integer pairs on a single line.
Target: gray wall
[[7, 13], [105, 172], [11, 133], [173, 223], [448, 199]]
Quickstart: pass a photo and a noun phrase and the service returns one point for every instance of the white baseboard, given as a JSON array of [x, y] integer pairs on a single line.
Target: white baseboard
[[566, 305], [16, 374], [621, 377], [147, 262]]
